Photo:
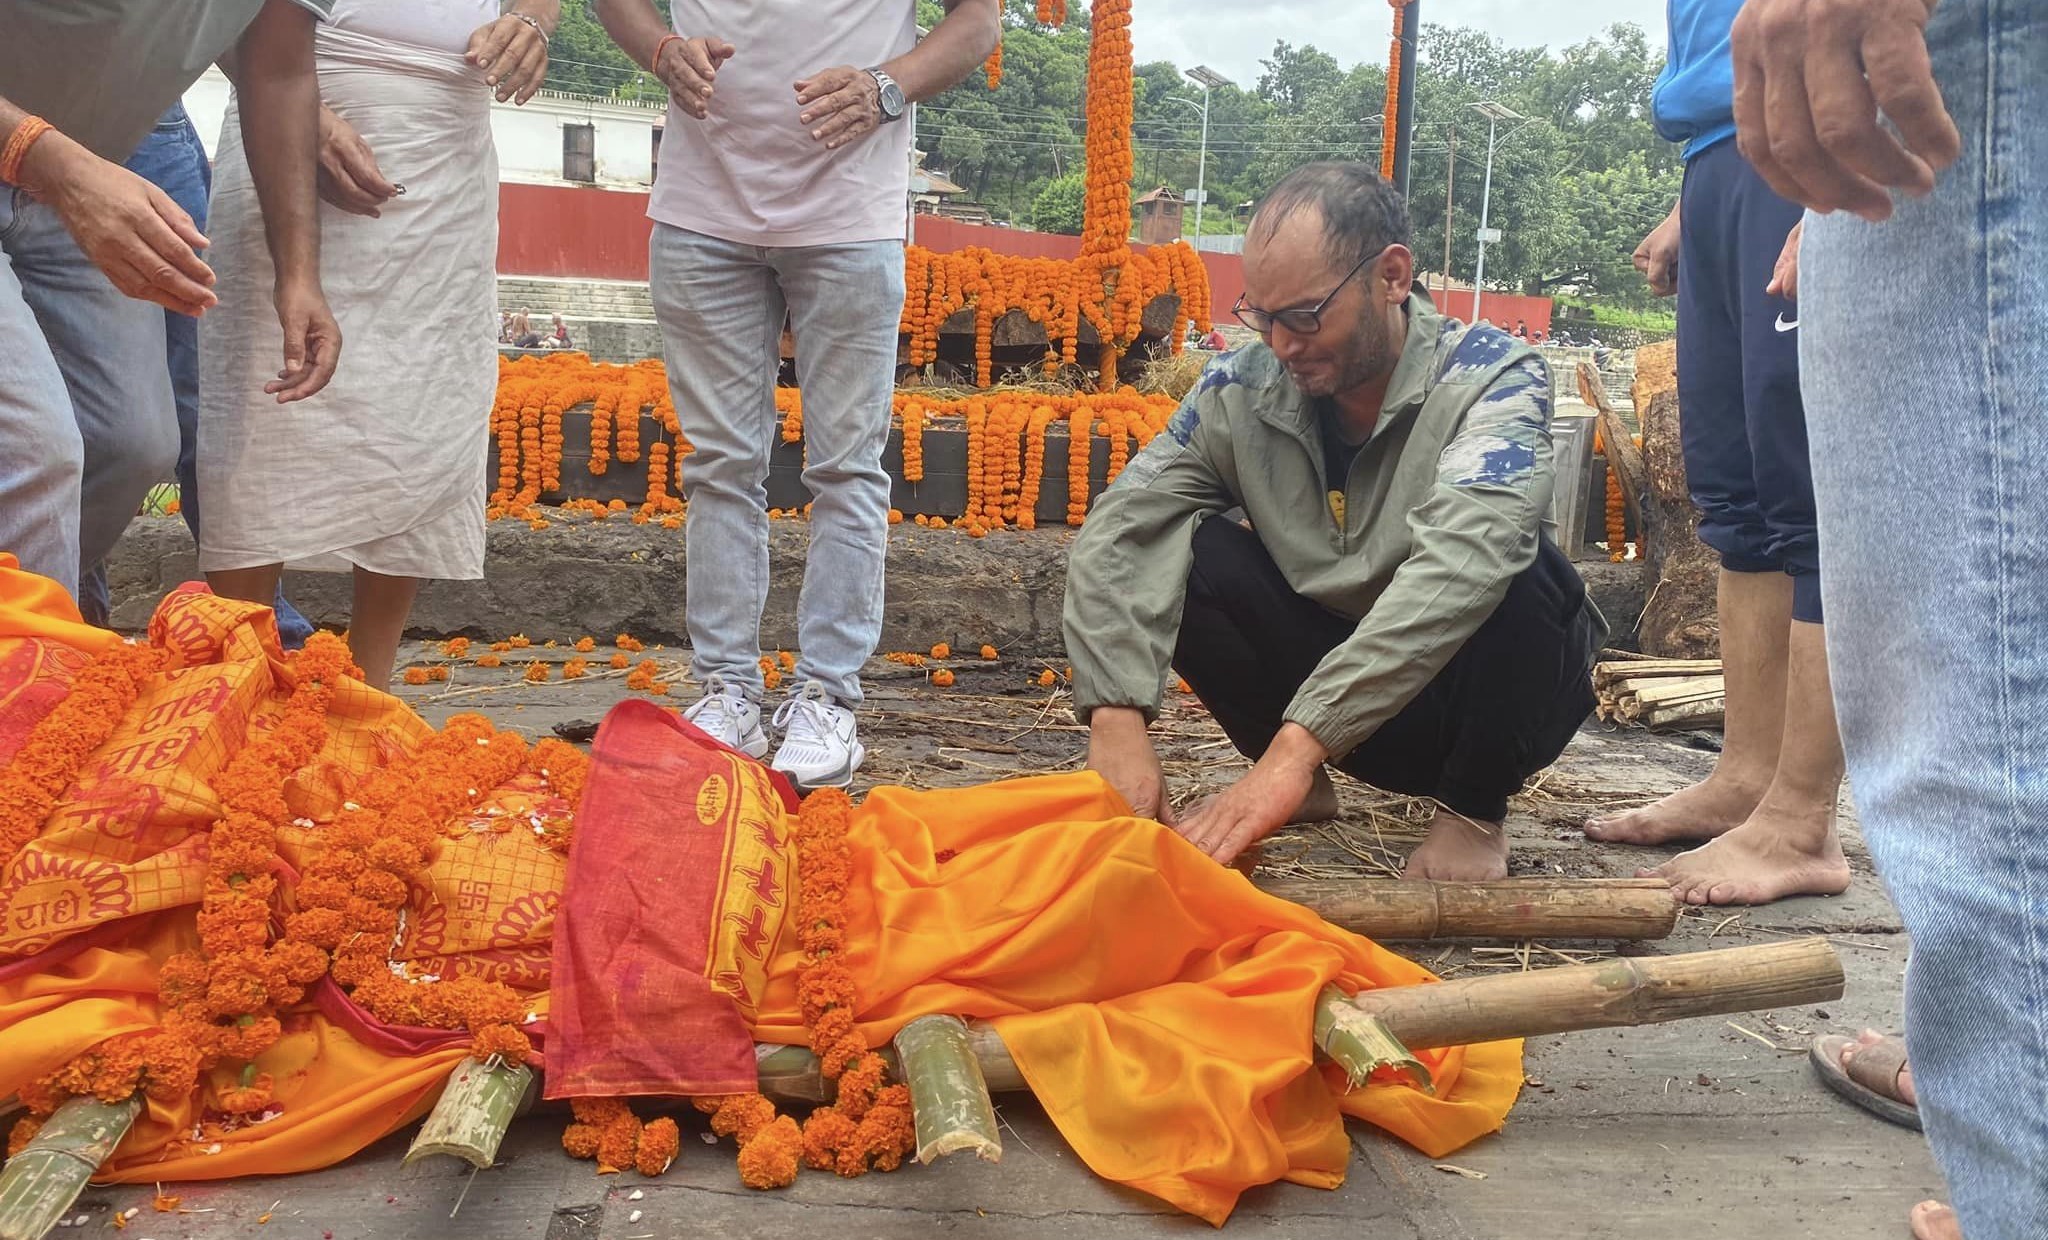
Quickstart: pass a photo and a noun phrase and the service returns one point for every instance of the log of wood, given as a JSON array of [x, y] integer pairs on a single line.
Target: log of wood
[[1617, 441], [1516, 908], [1607, 673], [1682, 617], [40, 1184], [948, 1097], [1680, 690], [475, 1108], [1639, 990], [1687, 716]]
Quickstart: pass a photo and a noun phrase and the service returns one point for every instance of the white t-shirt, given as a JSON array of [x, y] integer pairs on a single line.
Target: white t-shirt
[[444, 25], [751, 173]]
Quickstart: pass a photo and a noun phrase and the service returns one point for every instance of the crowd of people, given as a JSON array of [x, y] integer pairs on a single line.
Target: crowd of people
[[1341, 541]]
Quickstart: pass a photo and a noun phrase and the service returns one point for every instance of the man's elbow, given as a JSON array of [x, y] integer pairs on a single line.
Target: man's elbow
[[983, 22]]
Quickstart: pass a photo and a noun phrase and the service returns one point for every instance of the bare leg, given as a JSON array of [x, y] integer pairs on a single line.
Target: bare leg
[[250, 585], [1756, 616], [381, 606], [1460, 850], [1787, 846]]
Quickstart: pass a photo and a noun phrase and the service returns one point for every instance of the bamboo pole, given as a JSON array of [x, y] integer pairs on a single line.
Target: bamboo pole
[[39, 1185], [1641, 990], [1359, 1043], [1618, 993], [474, 1110], [1623, 456], [948, 1097], [1517, 908]]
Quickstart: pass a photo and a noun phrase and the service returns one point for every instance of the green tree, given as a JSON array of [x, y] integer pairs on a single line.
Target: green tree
[[1060, 204], [583, 60]]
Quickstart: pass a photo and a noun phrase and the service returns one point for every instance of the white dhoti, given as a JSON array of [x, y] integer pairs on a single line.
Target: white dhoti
[[385, 469]]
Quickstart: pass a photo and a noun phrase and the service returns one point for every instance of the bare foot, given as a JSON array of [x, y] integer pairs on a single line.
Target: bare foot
[[1320, 805], [1717, 804], [1871, 1037], [1766, 858], [1932, 1220], [1460, 850]]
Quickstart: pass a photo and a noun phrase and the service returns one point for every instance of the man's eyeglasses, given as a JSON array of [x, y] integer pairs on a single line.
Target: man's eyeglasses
[[1301, 321]]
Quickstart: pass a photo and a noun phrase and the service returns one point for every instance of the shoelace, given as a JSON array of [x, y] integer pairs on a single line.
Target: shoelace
[[713, 712], [806, 720]]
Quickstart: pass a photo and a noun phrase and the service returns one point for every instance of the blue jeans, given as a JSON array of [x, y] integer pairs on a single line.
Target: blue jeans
[[172, 159], [1925, 353], [86, 419], [721, 308], [1744, 429]]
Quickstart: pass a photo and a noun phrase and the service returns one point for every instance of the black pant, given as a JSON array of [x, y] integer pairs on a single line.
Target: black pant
[[1500, 711]]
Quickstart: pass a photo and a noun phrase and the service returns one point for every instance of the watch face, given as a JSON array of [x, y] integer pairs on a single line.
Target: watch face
[[892, 98]]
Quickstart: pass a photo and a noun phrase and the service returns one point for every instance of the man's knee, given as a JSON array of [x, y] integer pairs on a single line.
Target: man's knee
[[1227, 555]]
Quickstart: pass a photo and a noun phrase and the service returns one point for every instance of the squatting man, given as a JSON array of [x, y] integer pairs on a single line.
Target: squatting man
[[1342, 542]]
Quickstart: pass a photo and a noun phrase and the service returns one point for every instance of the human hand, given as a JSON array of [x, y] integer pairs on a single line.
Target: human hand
[[312, 341], [1785, 274], [131, 230], [349, 176], [689, 67], [1811, 77], [1121, 752], [513, 56], [1255, 806], [840, 105], [1657, 256]]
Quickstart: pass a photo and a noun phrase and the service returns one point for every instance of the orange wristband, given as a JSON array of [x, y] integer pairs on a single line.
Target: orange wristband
[[16, 150], [655, 63]]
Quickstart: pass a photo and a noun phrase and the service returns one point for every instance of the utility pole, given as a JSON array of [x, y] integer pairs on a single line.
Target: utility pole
[[1407, 26], [1494, 113], [1208, 79], [1450, 206]]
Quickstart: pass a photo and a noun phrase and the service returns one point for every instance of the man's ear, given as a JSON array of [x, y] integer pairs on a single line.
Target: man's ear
[[1394, 274]]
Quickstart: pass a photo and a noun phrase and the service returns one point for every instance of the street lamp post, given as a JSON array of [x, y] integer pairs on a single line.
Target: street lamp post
[[1494, 114], [1208, 79]]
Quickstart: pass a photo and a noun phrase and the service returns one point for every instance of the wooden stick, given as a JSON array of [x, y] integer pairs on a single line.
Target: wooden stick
[[1616, 440], [1688, 716], [1680, 690], [948, 1097], [1605, 674], [473, 1112], [41, 1183], [1516, 908], [1639, 990]]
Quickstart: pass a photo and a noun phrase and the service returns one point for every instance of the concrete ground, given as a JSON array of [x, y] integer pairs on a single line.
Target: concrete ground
[[1708, 1129]]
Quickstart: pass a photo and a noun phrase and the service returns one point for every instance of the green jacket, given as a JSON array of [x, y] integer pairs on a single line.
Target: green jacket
[[1444, 505]]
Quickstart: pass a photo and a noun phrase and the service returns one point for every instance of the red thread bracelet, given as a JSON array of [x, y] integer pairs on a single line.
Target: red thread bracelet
[[18, 143], [655, 64]]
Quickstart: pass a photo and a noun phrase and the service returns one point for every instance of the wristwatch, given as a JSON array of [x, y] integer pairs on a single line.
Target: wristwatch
[[891, 99]]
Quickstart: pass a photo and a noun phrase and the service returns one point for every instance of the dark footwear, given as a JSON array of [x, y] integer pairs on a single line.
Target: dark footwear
[[1871, 1080]]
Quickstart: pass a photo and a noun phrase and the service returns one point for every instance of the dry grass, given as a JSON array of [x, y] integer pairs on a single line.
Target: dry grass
[[1173, 374]]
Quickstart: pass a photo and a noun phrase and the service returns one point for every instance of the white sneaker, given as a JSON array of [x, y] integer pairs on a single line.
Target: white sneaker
[[819, 748], [730, 717]]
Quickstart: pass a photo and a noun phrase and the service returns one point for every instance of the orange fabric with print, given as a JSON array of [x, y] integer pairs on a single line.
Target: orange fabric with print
[[1160, 1006]]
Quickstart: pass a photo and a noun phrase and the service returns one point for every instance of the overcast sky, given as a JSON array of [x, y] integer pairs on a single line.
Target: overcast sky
[[1231, 36]]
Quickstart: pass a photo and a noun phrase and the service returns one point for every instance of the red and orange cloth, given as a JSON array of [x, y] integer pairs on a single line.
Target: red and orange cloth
[[1159, 1005]]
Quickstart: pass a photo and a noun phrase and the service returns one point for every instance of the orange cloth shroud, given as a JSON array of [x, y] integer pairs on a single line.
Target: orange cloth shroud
[[1159, 1005]]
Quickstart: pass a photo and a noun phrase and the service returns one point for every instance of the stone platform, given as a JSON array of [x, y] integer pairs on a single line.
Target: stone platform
[[605, 577]]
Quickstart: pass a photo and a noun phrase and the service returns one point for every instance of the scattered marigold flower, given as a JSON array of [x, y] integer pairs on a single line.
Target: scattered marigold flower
[[166, 1204], [659, 688], [629, 643], [671, 523], [490, 660], [942, 651], [575, 669], [415, 675], [620, 662], [659, 1142], [1181, 683], [437, 673], [584, 645], [770, 1159], [923, 519], [787, 660], [1047, 679], [895, 516], [518, 641], [536, 672], [943, 678], [988, 652], [455, 647]]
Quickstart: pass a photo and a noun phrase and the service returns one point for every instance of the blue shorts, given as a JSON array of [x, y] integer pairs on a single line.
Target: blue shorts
[[1743, 426]]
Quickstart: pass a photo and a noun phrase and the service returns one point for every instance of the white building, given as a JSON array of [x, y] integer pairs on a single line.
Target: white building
[[555, 139]]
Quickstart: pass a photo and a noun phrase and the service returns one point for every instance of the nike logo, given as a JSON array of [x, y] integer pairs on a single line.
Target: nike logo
[[1783, 326]]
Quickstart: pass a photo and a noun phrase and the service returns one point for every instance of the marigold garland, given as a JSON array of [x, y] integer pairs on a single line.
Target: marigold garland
[[56, 748]]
